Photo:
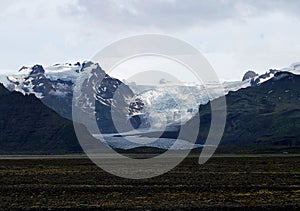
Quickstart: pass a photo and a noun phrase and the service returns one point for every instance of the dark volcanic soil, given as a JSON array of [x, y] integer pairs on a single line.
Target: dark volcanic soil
[[248, 183]]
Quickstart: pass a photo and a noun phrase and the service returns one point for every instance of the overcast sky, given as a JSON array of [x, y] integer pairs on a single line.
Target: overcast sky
[[233, 35]]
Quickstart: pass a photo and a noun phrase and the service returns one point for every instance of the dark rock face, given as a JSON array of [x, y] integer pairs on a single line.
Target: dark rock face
[[111, 100], [3, 90], [37, 70], [249, 75], [27, 126]]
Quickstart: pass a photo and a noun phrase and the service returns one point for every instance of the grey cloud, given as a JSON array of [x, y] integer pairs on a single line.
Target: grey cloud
[[175, 14], [290, 7], [159, 14]]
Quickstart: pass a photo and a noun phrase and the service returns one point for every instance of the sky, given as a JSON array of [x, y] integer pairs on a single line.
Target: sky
[[234, 36]]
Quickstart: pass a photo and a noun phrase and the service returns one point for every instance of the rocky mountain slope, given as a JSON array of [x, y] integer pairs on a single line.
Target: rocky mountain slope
[[27, 126], [267, 115]]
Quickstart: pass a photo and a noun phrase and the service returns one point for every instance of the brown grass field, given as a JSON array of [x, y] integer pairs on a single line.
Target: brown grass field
[[223, 183]]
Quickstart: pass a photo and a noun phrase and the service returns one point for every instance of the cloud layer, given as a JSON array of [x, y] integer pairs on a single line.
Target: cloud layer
[[176, 14], [234, 35]]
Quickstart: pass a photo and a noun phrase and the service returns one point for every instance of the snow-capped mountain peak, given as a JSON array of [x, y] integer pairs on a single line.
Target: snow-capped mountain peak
[[53, 80], [55, 84], [259, 79]]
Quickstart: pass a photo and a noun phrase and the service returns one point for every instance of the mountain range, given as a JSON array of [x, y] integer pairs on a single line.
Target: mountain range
[[36, 109], [137, 106]]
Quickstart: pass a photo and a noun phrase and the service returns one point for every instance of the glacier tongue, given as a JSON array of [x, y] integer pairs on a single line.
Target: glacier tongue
[[175, 104], [131, 142]]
